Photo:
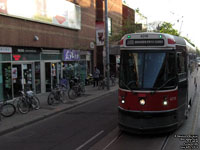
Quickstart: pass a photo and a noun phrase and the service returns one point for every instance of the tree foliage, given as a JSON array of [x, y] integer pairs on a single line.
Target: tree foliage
[[167, 27], [163, 27], [128, 27]]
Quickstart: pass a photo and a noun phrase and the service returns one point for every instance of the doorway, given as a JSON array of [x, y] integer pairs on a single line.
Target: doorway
[[22, 76], [52, 74]]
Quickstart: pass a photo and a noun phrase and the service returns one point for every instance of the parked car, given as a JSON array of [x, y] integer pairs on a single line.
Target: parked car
[[198, 61]]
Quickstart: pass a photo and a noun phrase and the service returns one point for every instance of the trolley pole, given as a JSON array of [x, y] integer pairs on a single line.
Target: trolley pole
[[107, 46]]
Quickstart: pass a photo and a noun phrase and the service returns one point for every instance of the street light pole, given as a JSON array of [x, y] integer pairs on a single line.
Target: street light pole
[[107, 46]]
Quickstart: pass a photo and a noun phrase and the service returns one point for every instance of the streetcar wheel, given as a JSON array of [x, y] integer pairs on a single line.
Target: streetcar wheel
[[8, 110]]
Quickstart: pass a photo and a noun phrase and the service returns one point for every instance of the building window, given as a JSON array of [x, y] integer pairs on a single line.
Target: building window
[[109, 26]]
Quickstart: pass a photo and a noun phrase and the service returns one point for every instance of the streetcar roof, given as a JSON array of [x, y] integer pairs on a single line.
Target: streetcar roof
[[152, 39]]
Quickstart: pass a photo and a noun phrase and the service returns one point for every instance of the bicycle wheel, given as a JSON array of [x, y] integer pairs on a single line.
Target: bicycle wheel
[[82, 89], [35, 103], [51, 99], [8, 110], [23, 106], [63, 97], [100, 85], [71, 94]]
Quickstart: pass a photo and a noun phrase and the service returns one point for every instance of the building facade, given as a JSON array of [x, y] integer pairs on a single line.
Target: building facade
[[40, 44], [114, 24]]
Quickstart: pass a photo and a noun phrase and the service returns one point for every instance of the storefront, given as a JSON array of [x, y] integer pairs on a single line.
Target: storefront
[[51, 69], [76, 63], [24, 68], [5, 73], [19, 70]]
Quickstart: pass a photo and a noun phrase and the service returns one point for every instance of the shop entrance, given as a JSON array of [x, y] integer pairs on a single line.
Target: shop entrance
[[52, 74], [22, 76]]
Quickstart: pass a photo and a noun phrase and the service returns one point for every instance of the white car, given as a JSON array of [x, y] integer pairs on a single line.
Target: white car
[[198, 61]]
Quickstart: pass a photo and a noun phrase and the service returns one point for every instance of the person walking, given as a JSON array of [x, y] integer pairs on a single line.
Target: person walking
[[96, 76]]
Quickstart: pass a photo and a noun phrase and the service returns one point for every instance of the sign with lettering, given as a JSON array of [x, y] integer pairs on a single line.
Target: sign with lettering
[[5, 50], [145, 42], [71, 55]]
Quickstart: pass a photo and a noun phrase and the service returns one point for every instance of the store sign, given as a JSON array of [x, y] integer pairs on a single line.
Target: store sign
[[5, 50], [71, 55], [56, 12], [16, 57], [27, 51]]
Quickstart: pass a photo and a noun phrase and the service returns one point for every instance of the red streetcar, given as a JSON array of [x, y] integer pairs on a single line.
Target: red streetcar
[[157, 82]]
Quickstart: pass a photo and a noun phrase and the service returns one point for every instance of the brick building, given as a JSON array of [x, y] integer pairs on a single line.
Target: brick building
[[44, 41], [114, 23]]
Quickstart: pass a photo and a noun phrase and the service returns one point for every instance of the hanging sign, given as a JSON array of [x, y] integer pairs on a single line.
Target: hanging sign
[[71, 55]]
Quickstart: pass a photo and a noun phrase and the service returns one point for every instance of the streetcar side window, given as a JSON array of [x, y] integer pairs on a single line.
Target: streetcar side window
[[181, 65]]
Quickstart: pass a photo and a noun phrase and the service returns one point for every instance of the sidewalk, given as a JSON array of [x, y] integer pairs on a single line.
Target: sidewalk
[[20, 120]]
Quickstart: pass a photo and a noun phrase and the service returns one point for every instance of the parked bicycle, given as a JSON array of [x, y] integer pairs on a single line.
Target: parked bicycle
[[113, 80], [102, 84], [7, 109], [77, 88], [89, 80], [27, 101], [57, 95]]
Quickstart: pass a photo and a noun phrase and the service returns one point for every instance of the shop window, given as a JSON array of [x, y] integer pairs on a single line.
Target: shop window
[[5, 82], [5, 57]]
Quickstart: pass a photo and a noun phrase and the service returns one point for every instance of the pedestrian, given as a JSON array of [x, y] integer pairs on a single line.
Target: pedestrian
[[96, 76]]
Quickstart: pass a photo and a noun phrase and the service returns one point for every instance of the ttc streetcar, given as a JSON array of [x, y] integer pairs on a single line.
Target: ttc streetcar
[[157, 82]]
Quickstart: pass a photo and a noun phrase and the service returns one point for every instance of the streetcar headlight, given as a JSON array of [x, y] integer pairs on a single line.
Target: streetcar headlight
[[123, 99], [165, 102], [142, 102]]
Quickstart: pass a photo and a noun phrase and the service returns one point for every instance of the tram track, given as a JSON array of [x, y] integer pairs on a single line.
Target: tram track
[[165, 142]]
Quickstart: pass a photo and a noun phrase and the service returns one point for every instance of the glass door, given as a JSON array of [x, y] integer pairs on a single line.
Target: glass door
[[17, 79], [52, 74], [27, 83], [22, 76]]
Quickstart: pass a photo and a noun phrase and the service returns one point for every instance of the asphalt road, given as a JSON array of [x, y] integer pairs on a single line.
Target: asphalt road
[[187, 137], [75, 129], [94, 126]]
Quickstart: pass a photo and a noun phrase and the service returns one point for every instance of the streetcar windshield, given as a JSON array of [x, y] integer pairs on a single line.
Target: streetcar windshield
[[147, 70]]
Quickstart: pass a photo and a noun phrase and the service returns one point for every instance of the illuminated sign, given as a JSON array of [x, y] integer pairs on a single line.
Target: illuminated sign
[[144, 42], [16, 57], [57, 12], [71, 55]]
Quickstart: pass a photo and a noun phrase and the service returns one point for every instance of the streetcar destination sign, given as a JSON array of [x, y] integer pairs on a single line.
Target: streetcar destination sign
[[144, 42]]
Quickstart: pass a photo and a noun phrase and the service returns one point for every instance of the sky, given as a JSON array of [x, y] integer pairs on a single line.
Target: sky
[[186, 11]]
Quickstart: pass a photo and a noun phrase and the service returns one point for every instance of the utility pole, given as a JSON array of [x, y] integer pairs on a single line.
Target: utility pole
[[107, 46]]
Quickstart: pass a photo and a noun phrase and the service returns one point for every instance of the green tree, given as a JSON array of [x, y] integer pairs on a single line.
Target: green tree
[[128, 27], [167, 27]]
